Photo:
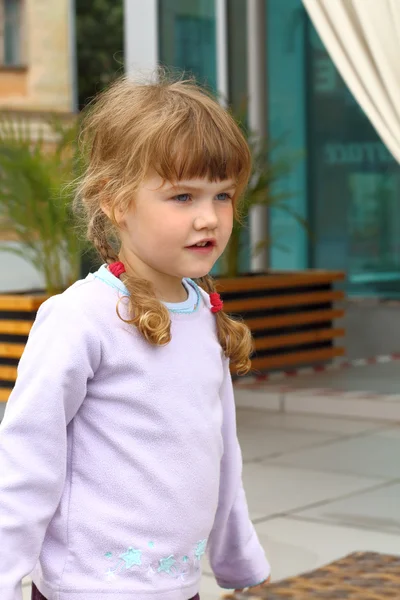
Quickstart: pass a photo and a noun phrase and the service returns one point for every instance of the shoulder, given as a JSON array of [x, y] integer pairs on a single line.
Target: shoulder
[[63, 328], [83, 304]]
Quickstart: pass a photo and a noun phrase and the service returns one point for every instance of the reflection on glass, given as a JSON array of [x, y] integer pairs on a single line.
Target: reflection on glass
[[287, 128], [237, 48], [374, 227], [188, 38], [354, 183]]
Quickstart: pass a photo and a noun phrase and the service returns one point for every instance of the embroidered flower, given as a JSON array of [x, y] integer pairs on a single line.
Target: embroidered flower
[[132, 557], [110, 575], [200, 549], [167, 565], [178, 569]]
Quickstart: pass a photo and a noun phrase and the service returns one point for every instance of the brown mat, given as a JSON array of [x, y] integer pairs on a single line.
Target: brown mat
[[359, 576]]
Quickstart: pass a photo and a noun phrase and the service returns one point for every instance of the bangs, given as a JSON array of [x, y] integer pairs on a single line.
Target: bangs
[[199, 145]]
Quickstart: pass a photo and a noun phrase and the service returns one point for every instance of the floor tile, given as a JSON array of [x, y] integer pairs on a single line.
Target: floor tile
[[359, 405], [294, 546], [376, 510], [389, 432], [383, 378], [270, 420], [258, 443], [371, 455], [26, 588], [209, 589], [270, 399], [273, 490]]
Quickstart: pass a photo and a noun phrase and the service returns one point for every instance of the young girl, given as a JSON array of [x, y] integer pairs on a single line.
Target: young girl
[[119, 459]]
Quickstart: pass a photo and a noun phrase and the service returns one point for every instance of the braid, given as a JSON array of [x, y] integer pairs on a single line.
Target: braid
[[97, 234], [233, 335], [151, 317], [145, 311], [207, 283]]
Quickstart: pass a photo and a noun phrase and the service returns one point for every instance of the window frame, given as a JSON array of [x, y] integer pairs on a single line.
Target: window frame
[[18, 60]]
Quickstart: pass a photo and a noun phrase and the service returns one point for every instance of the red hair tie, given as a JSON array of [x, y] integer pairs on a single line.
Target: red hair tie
[[117, 268], [216, 302]]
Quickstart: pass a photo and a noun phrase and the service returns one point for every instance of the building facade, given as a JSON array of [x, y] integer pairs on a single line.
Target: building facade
[[343, 183], [36, 78], [36, 55], [265, 54]]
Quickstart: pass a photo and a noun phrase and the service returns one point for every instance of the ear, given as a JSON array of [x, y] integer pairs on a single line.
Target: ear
[[106, 208], [116, 215]]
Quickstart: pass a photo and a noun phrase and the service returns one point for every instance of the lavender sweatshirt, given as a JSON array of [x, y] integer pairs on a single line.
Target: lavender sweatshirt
[[119, 461]]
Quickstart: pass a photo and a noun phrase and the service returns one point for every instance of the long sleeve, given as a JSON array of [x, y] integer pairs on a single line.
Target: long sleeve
[[236, 555], [61, 355]]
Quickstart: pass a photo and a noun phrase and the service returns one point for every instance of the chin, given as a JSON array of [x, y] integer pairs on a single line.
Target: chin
[[197, 273]]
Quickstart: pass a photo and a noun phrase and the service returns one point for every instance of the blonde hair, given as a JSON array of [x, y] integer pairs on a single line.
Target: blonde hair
[[176, 129]]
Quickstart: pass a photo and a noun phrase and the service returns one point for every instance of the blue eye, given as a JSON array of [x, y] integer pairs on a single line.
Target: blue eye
[[223, 196], [182, 197]]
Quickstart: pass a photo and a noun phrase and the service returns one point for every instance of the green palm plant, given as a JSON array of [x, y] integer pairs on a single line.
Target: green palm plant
[[269, 167], [35, 202]]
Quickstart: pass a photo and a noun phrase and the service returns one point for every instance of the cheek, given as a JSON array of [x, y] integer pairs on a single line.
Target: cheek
[[173, 223], [162, 230], [226, 219]]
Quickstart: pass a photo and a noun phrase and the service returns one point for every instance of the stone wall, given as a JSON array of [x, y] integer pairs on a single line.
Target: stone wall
[[44, 81]]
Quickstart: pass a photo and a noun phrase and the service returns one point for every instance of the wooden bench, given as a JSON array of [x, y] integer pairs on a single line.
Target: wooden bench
[[359, 576], [17, 313], [292, 316]]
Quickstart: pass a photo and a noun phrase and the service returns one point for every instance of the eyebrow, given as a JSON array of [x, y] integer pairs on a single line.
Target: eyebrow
[[191, 188]]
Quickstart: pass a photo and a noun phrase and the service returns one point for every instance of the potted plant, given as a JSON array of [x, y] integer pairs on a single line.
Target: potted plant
[[37, 160], [291, 314]]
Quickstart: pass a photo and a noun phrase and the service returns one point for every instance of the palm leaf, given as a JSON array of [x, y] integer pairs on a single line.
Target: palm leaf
[[34, 202]]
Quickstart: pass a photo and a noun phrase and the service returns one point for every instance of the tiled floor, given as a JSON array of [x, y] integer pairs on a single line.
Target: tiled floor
[[382, 378], [318, 488], [368, 391], [329, 487]]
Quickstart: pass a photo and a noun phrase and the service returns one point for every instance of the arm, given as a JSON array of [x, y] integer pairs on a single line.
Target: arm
[[61, 355], [236, 556]]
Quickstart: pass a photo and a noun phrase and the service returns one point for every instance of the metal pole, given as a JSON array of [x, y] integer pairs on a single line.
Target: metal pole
[[256, 68], [222, 51], [140, 36]]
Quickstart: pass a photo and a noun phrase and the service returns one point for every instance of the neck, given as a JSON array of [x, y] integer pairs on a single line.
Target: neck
[[166, 287]]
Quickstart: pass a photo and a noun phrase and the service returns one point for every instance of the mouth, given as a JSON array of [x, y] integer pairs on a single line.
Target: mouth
[[203, 246], [206, 243]]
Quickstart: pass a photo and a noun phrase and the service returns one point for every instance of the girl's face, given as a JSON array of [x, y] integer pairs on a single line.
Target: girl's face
[[161, 231]]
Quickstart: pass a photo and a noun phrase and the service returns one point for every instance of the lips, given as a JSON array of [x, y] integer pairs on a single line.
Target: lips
[[204, 247], [205, 243]]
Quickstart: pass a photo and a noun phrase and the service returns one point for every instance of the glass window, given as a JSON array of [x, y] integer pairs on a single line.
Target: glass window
[[348, 187], [238, 95], [354, 183], [237, 53], [12, 32], [188, 38], [286, 129]]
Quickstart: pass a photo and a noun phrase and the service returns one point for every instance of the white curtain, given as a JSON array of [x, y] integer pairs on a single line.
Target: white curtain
[[363, 39]]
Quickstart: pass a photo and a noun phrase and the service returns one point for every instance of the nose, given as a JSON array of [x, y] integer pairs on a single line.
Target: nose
[[206, 217]]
